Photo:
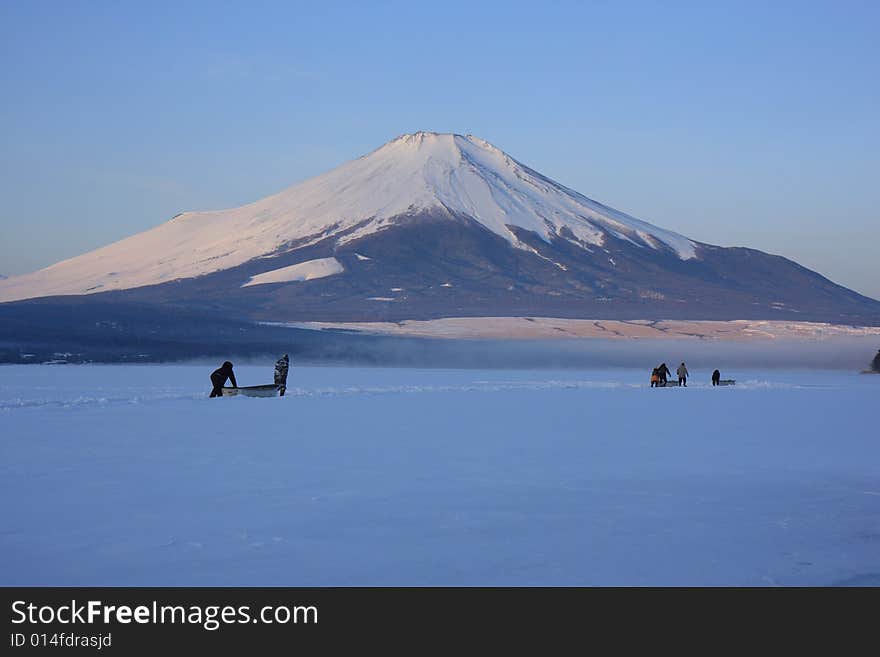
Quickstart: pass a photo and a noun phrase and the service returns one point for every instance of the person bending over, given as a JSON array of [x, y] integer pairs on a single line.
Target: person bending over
[[219, 377], [664, 373]]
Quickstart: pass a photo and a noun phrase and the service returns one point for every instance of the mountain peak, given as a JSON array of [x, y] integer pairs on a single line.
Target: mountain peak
[[426, 138], [438, 145], [467, 175], [420, 137], [426, 144]]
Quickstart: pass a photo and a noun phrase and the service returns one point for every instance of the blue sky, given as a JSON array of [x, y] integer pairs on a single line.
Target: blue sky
[[754, 124]]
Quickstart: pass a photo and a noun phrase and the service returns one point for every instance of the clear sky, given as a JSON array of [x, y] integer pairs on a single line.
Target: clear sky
[[740, 123]]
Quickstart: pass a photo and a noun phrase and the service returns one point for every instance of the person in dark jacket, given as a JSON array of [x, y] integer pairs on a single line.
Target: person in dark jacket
[[219, 377], [875, 365], [281, 367], [716, 377], [664, 372]]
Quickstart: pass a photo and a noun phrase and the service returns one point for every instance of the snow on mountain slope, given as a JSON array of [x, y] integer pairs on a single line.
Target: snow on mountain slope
[[420, 172], [302, 271]]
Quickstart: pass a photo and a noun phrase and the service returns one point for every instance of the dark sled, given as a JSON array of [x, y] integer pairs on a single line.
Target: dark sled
[[270, 390], [727, 382]]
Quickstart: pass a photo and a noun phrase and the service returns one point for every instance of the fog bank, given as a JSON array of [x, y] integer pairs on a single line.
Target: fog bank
[[838, 354]]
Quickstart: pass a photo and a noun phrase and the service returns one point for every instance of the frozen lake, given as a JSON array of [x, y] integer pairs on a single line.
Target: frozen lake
[[129, 475]]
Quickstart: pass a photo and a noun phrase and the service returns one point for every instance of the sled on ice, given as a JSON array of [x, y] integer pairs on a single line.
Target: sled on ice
[[276, 389], [269, 390]]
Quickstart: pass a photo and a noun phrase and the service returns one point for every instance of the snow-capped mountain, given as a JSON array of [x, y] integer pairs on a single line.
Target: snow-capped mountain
[[418, 173], [432, 225]]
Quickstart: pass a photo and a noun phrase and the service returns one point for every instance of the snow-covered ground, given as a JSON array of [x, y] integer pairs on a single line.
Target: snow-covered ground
[[129, 475]]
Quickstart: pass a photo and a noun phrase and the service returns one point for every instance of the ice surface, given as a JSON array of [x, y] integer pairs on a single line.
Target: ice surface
[[130, 475]]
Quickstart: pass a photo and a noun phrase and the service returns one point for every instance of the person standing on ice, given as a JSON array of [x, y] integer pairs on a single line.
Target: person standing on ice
[[281, 367], [219, 376], [875, 364], [682, 372], [716, 377]]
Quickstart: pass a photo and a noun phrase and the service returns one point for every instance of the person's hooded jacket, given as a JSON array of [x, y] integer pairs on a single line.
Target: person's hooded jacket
[[221, 374]]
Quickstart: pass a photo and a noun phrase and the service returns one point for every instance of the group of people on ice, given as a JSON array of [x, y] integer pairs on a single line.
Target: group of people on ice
[[660, 376]]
